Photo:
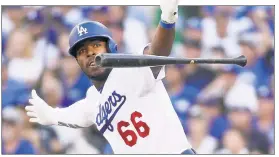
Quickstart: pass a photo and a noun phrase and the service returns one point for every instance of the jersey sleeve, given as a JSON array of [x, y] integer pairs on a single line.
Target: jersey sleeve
[[150, 75], [158, 72], [75, 116], [81, 113]]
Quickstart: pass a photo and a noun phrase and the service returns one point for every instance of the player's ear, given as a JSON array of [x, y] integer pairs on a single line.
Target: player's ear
[[77, 61]]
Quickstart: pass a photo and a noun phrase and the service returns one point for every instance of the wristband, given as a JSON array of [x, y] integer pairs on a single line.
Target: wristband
[[167, 25]]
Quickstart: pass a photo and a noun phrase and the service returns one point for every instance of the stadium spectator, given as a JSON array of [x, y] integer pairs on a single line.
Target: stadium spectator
[[195, 75], [44, 51], [265, 120], [198, 134], [23, 66], [193, 29], [68, 15], [29, 132], [240, 115], [117, 30], [51, 89], [216, 31], [99, 13], [234, 142], [182, 97], [74, 81], [14, 93], [12, 17], [63, 44], [12, 141], [213, 111]]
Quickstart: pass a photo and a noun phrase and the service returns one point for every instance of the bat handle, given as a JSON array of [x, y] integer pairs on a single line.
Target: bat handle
[[241, 60], [98, 59]]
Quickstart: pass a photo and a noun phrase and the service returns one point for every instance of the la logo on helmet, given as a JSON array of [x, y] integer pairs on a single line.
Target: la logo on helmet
[[81, 30]]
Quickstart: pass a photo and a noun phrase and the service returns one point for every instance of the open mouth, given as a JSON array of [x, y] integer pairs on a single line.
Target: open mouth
[[91, 64]]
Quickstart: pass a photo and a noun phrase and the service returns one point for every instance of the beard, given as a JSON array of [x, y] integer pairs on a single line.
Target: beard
[[100, 77], [103, 76]]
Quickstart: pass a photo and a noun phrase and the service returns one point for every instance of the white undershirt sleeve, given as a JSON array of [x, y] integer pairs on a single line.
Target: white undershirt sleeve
[[78, 115]]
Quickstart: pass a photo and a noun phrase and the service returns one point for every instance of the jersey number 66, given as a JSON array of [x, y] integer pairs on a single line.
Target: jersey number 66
[[138, 125]]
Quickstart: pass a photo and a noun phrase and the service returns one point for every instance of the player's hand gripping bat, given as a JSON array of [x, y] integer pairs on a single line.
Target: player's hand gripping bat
[[130, 60]]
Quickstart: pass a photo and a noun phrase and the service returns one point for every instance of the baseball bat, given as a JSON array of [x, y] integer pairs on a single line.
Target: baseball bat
[[107, 60]]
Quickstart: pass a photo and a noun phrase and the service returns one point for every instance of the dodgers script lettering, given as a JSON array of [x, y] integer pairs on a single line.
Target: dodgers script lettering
[[108, 110]]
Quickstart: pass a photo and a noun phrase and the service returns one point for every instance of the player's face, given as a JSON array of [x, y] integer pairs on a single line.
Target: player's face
[[85, 56]]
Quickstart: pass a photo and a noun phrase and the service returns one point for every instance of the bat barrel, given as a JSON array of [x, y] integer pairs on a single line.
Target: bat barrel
[[241, 61]]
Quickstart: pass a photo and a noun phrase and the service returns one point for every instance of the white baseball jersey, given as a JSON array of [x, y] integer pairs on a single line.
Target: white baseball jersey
[[135, 114]]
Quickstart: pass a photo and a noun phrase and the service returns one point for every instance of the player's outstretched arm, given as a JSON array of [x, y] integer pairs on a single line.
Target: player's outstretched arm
[[162, 41], [74, 116]]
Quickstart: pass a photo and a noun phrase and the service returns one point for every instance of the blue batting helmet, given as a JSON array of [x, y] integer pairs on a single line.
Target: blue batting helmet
[[90, 30]]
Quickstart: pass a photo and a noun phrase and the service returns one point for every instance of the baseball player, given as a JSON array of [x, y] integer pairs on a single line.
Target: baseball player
[[129, 106]]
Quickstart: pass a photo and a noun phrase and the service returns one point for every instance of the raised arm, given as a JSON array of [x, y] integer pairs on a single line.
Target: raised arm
[[78, 115], [162, 41]]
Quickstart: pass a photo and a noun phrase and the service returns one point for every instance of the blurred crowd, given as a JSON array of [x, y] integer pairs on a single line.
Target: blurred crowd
[[224, 109]]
